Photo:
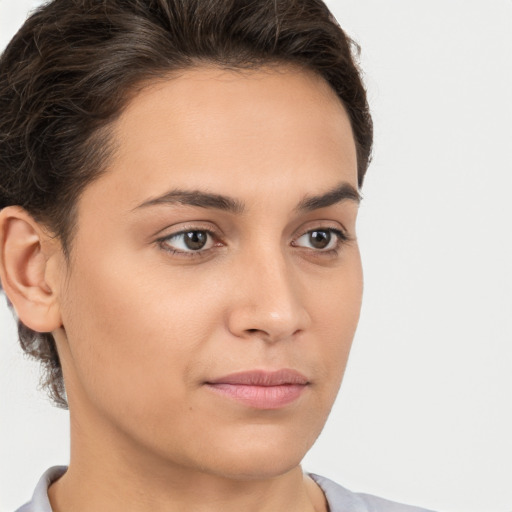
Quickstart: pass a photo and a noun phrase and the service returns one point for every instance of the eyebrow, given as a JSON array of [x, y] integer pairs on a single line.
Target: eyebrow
[[197, 198], [202, 199], [344, 191]]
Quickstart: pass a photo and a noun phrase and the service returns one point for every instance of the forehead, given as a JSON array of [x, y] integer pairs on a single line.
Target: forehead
[[238, 130]]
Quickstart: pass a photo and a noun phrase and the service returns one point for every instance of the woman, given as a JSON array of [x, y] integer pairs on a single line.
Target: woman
[[180, 186]]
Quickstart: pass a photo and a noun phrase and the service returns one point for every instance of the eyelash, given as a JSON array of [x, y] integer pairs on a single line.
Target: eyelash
[[341, 238]]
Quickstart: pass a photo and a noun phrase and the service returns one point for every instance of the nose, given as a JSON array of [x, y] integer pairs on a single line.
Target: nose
[[268, 302]]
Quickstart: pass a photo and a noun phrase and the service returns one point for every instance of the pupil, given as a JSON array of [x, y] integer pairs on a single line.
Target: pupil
[[195, 240], [320, 239]]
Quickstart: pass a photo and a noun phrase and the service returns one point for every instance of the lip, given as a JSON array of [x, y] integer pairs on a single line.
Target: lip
[[261, 389]]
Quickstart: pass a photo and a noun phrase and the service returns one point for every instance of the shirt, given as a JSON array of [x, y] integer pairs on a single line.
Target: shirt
[[338, 498]]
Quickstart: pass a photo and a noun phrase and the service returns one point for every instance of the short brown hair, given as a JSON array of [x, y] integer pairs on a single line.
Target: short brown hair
[[69, 71]]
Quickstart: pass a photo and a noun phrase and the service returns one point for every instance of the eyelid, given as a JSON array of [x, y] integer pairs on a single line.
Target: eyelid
[[324, 225], [187, 226]]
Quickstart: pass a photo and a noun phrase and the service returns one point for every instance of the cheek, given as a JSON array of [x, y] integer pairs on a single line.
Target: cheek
[[134, 332], [336, 315]]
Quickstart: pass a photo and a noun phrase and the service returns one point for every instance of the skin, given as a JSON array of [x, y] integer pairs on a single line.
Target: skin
[[140, 329]]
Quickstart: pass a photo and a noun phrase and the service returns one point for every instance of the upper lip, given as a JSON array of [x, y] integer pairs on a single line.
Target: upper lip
[[263, 378]]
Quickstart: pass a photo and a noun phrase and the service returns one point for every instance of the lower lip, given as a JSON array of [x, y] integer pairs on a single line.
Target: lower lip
[[260, 397]]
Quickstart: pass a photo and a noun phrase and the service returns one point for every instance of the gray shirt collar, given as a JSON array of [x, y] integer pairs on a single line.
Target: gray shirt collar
[[338, 498]]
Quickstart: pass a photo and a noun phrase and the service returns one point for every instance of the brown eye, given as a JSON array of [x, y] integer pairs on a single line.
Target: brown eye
[[195, 240], [188, 241], [319, 239]]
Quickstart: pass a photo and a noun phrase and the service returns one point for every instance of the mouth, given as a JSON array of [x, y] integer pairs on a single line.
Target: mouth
[[261, 389]]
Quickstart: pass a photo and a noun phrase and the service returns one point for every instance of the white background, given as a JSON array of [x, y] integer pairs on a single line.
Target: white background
[[425, 412]]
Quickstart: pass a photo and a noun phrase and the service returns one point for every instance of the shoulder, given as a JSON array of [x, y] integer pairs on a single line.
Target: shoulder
[[39, 501], [342, 500]]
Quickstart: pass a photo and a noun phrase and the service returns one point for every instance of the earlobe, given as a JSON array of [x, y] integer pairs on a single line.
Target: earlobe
[[24, 256]]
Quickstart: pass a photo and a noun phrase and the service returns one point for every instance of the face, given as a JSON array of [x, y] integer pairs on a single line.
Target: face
[[215, 283]]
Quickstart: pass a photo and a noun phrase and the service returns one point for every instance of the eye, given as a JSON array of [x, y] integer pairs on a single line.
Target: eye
[[321, 239], [188, 241]]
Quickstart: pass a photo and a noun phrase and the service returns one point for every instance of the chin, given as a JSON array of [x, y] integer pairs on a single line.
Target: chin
[[257, 455], [259, 467]]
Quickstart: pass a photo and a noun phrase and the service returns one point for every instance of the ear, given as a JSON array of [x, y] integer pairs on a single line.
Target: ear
[[28, 279]]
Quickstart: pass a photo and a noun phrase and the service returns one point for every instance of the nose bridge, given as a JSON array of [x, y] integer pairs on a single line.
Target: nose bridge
[[269, 303]]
